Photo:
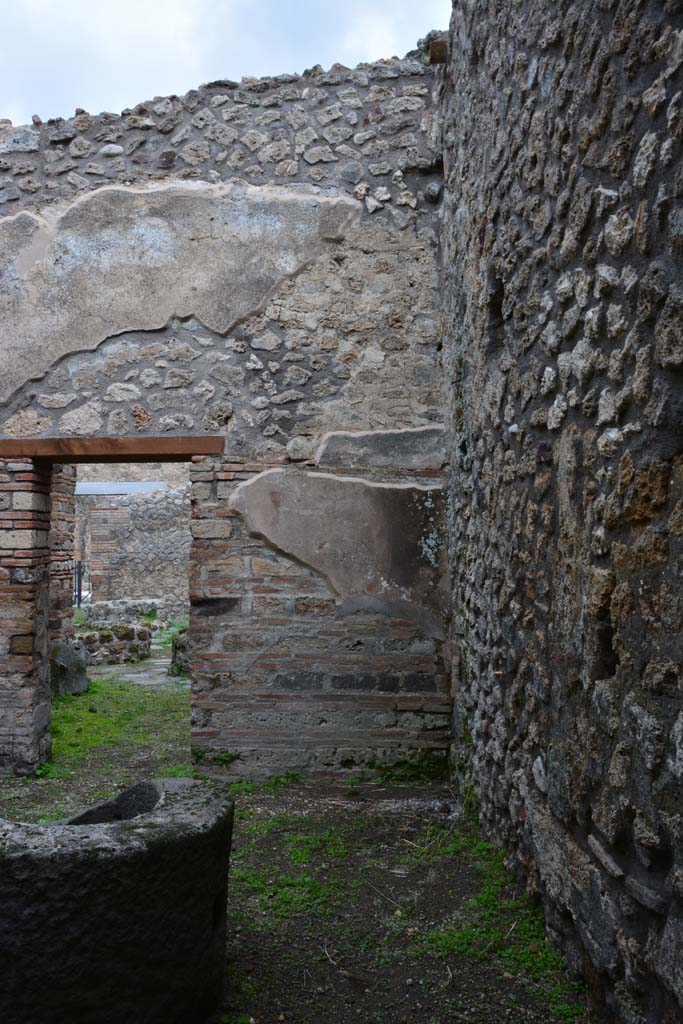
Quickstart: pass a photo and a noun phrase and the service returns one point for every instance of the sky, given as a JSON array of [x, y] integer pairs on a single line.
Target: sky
[[56, 55]]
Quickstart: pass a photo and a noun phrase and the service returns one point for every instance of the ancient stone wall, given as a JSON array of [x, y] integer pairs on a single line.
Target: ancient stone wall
[[305, 208], [318, 611], [171, 474], [138, 546], [368, 129], [564, 324], [114, 644], [259, 262]]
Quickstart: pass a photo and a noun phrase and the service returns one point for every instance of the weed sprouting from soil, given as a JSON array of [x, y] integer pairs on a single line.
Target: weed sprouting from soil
[[164, 637]]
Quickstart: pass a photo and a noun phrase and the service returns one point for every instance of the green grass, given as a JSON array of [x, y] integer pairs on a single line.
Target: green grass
[[109, 737], [290, 778], [241, 788], [303, 849], [177, 771], [499, 922], [225, 759], [275, 822], [110, 713], [164, 637], [285, 895], [354, 781], [408, 772]]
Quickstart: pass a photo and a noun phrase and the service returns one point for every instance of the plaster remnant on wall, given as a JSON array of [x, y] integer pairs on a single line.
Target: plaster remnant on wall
[[122, 259], [298, 297], [410, 448], [362, 536], [328, 356]]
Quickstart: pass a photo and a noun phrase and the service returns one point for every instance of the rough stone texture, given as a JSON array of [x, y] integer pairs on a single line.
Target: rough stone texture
[[562, 238], [68, 669], [137, 258], [350, 343], [114, 644], [138, 546], [369, 130], [563, 132], [417, 448], [259, 262], [103, 922], [180, 654], [241, 291], [154, 611], [171, 474]]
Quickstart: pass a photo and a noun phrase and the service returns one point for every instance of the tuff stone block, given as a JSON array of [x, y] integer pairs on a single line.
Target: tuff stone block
[[76, 893]]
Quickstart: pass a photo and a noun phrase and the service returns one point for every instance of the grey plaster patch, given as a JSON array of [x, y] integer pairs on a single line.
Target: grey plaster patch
[[412, 448], [121, 258], [378, 545]]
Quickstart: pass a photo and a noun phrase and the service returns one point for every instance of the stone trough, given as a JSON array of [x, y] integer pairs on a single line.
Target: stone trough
[[119, 913]]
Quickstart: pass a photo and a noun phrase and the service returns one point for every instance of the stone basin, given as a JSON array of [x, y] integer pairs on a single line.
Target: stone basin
[[118, 915]]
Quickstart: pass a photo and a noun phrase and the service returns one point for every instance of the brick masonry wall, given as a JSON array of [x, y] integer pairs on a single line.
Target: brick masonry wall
[[62, 534], [281, 675], [139, 546], [25, 560], [562, 246]]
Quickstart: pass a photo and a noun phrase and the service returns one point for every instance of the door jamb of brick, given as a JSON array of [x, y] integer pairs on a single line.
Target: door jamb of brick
[[24, 568]]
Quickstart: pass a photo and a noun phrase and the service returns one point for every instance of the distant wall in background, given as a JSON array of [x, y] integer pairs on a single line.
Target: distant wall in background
[[138, 545]]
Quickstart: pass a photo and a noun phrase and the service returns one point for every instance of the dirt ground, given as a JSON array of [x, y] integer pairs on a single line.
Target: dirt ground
[[378, 902], [367, 899]]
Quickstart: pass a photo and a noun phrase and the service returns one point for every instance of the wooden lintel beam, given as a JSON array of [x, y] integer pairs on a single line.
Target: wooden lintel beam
[[111, 449]]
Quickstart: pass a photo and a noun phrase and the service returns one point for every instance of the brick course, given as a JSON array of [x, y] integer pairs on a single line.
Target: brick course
[[280, 676], [25, 566]]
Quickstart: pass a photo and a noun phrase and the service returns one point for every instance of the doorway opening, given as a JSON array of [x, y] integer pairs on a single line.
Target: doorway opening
[[132, 541], [95, 567]]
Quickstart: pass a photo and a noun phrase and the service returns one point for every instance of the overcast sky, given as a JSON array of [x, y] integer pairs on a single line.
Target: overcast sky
[[56, 55]]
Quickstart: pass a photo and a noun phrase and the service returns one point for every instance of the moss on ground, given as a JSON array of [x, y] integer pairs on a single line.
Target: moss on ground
[[302, 872], [114, 713], [498, 921], [348, 901], [103, 740]]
